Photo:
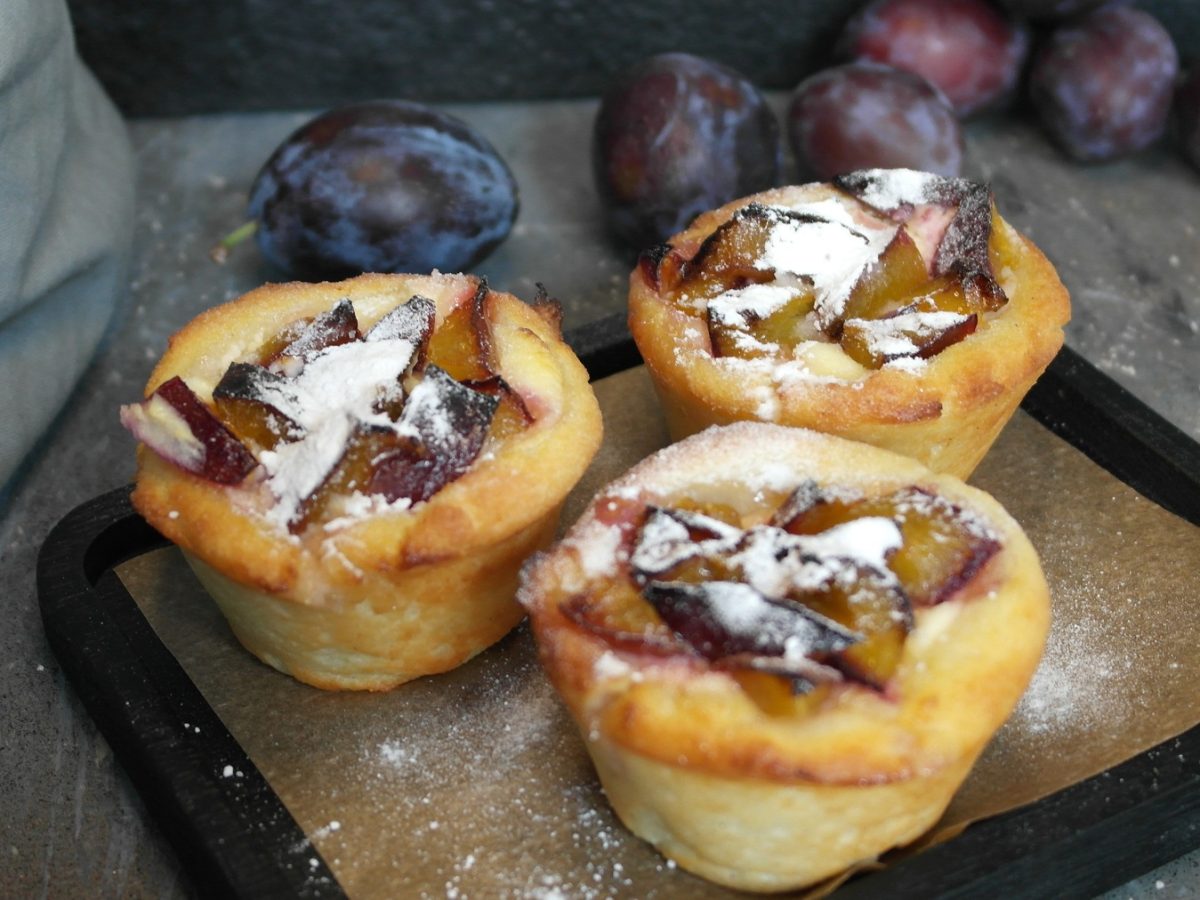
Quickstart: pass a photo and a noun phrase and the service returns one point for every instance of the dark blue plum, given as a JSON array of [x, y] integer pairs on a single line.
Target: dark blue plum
[[1102, 84], [676, 135], [389, 186]]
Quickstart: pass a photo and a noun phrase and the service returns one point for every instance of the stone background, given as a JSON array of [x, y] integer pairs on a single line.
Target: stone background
[[180, 57]]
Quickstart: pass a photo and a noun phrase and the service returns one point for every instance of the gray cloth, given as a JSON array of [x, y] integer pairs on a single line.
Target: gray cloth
[[66, 217]]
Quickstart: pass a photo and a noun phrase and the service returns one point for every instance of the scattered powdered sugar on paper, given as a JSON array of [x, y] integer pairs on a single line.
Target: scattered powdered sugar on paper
[[491, 790], [1075, 687]]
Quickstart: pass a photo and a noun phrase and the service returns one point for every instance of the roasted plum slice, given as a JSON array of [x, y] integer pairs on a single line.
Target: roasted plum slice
[[873, 606], [682, 545], [445, 424], [914, 333], [462, 345], [411, 321], [176, 425], [897, 274], [955, 225], [963, 252], [762, 320], [512, 415], [353, 472], [257, 404], [729, 257], [811, 509], [941, 547], [729, 620], [332, 328], [625, 621]]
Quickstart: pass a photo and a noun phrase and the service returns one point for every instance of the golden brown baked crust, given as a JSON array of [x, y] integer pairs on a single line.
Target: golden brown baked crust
[[764, 801], [946, 413], [371, 602]]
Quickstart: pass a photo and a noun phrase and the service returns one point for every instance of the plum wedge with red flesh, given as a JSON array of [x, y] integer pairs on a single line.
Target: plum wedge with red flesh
[[176, 425]]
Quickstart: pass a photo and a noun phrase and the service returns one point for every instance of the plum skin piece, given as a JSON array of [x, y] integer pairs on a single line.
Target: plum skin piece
[[225, 459]]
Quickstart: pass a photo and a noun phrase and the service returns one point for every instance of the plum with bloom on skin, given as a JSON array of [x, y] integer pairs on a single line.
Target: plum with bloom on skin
[[677, 135], [869, 116], [966, 48], [388, 186], [1102, 85]]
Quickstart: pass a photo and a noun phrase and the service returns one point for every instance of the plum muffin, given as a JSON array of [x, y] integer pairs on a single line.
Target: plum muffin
[[890, 306], [356, 470], [785, 650]]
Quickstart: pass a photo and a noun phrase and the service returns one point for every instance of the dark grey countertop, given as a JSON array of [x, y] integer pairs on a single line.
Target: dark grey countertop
[[1124, 237]]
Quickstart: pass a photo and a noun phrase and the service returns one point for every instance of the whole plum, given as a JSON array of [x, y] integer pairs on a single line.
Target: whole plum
[[1102, 84], [865, 116], [1187, 116], [676, 135], [387, 186], [966, 48]]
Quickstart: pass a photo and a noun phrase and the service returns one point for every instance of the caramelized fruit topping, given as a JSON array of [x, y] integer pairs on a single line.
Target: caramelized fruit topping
[[462, 346], [926, 289], [329, 412], [445, 424], [251, 400], [337, 326], [822, 592]]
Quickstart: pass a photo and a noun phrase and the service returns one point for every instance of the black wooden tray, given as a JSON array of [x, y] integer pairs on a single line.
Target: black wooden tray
[[235, 838]]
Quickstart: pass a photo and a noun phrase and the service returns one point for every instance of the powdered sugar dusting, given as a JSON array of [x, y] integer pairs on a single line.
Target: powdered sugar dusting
[[335, 391], [832, 250], [1073, 687], [905, 334], [598, 550], [889, 189], [484, 813]]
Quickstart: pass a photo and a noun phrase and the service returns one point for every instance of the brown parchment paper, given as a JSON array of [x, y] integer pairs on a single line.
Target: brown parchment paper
[[475, 783]]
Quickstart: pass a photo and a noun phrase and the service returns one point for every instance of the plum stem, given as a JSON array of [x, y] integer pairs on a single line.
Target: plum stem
[[220, 252]]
